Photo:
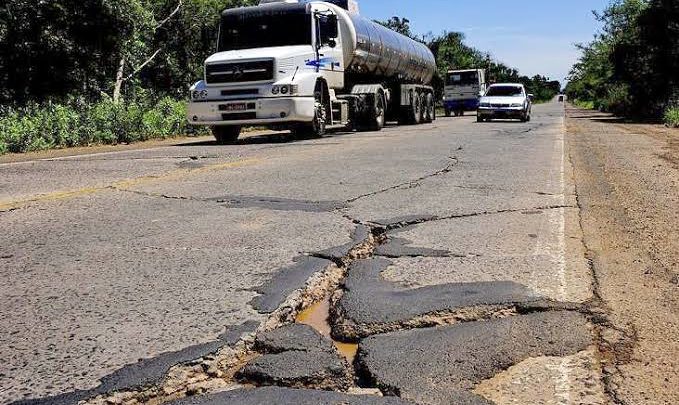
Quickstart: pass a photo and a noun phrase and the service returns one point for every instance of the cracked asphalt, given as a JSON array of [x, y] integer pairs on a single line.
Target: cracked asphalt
[[456, 246]]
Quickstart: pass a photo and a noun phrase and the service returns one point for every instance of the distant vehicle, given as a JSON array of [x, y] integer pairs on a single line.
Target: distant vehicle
[[505, 101], [462, 90]]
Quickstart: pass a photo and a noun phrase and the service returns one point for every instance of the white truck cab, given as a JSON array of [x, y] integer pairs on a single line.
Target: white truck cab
[[309, 66]]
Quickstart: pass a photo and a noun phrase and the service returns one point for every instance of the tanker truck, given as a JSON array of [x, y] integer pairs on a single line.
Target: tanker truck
[[310, 67]]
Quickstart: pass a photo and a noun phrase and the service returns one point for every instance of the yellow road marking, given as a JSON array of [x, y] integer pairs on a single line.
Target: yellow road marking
[[9, 205]]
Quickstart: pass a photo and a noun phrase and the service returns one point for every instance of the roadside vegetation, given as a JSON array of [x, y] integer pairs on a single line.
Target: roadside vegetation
[[452, 53], [103, 71], [672, 117], [631, 68]]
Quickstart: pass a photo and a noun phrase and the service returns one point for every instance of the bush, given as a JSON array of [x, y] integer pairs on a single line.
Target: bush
[[617, 100], [79, 123], [672, 117], [587, 105]]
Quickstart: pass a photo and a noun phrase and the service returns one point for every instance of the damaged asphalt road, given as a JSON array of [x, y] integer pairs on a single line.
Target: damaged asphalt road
[[478, 270]]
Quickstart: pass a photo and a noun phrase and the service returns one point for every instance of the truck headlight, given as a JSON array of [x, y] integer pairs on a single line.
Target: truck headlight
[[284, 89], [199, 95]]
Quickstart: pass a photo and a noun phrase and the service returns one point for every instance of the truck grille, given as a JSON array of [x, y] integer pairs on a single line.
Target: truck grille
[[239, 72], [500, 105]]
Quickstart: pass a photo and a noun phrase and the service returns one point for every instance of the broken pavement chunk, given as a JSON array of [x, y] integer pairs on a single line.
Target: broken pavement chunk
[[372, 305], [432, 365], [296, 356]]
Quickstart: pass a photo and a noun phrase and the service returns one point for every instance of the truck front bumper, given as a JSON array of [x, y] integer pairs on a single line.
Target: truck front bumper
[[262, 111]]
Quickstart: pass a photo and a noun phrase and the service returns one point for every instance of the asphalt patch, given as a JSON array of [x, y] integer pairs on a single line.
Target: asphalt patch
[[296, 356], [397, 222], [293, 337], [287, 396], [429, 366], [275, 291], [398, 247], [295, 369], [147, 372], [358, 236], [372, 305], [279, 204]]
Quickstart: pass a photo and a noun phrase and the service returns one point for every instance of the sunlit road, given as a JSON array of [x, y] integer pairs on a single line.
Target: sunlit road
[[167, 254]]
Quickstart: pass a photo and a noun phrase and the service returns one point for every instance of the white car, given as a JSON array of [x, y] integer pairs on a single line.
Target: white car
[[505, 101]]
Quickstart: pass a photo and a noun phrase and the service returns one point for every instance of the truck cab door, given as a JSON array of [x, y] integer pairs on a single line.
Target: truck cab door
[[330, 61]]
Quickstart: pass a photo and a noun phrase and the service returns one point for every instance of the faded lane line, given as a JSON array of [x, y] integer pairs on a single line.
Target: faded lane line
[[9, 205]]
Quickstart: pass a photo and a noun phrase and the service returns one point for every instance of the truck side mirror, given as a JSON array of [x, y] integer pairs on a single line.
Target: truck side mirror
[[531, 96]]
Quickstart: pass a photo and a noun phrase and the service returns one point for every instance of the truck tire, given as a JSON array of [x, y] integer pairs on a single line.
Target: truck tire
[[448, 112], [315, 129], [416, 110], [378, 115], [430, 109], [226, 134]]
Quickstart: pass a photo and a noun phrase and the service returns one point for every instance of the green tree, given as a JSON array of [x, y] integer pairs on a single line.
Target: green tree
[[398, 24]]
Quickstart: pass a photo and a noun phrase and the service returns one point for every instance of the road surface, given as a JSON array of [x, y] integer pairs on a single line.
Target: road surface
[[452, 254]]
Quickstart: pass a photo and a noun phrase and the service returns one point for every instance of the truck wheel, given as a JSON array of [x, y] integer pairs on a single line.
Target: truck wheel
[[377, 116], [226, 134], [448, 112], [416, 116], [315, 129], [430, 113], [461, 113]]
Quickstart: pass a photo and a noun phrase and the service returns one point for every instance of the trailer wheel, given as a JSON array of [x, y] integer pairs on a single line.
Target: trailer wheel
[[226, 134], [416, 114], [429, 108]]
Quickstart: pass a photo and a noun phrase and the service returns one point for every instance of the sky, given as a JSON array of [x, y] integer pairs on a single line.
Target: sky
[[534, 36]]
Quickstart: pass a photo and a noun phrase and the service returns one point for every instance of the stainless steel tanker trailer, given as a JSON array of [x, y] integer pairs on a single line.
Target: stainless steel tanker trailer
[[311, 66]]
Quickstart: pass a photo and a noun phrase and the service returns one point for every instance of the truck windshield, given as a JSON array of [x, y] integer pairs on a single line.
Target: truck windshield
[[504, 91], [462, 79], [260, 31]]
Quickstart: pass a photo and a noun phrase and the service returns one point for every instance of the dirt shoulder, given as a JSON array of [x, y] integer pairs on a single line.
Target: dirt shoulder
[[627, 183]]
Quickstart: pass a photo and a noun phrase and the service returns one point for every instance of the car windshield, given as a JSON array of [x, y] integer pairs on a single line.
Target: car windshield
[[462, 79], [260, 31], [504, 91]]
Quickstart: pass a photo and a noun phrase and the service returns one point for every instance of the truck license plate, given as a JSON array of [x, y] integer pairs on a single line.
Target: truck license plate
[[235, 107]]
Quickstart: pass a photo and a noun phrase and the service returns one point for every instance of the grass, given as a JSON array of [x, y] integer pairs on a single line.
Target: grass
[[672, 117]]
